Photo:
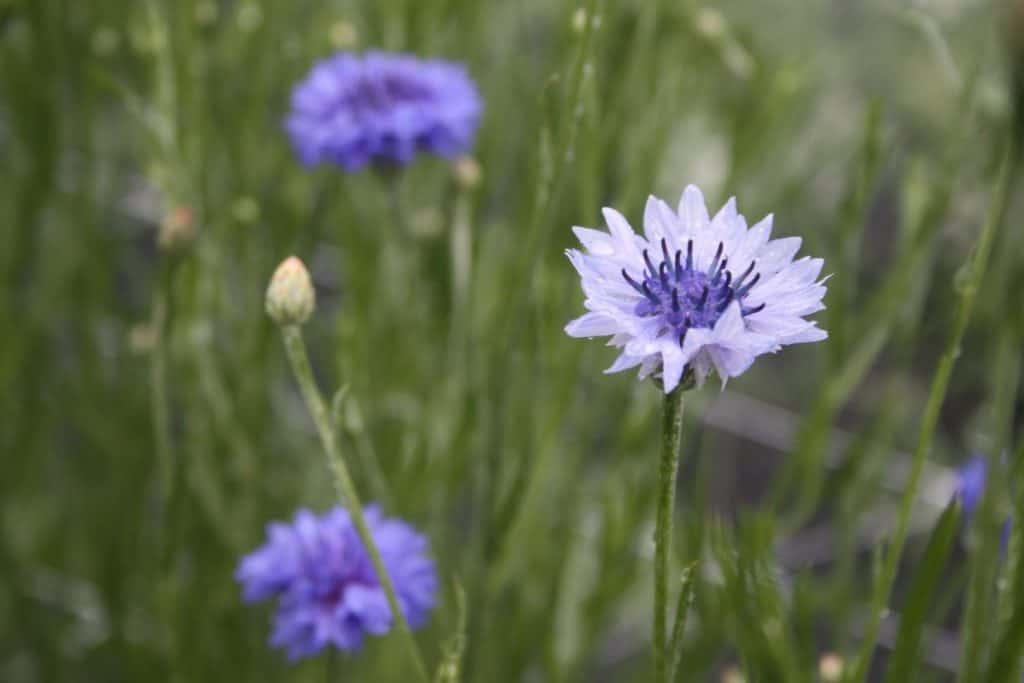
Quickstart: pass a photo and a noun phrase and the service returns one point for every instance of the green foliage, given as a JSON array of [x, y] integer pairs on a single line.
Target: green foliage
[[151, 426]]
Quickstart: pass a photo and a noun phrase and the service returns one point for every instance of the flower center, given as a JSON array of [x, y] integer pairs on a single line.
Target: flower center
[[685, 297], [382, 93]]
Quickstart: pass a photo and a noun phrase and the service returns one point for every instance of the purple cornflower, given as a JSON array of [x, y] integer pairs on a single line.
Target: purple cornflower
[[694, 292], [382, 108], [327, 589]]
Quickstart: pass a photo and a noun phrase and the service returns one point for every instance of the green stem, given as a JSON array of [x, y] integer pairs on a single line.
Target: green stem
[[462, 263], [296, 349], [671, 426], [940, 382], [159, 401]]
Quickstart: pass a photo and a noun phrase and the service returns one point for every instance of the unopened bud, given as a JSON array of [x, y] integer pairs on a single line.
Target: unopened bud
[[733, 675], [250, 17], [290, 296], [245, 210], [711, 23], [427, 222], [206, 13], [177, 231], [467, 173], [830, 667], [105, 41], [141, 338], [343, 35], [579, 20]]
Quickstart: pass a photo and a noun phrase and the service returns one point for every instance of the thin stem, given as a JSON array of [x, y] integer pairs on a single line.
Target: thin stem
[[296, 350], [159, 401], [393, 180], [940, 382], [671, 426], [462, 264], [331, 665]]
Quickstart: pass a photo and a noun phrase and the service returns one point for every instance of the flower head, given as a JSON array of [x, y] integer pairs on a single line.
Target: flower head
[[382, 108], [694, 292], [327, 590], [290, 296]]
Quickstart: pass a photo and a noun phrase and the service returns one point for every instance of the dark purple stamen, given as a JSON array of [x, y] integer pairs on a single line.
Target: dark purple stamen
[[685, 297], [649, 294], [633, 283], [748, 271], [718, 255], [755, 309], [746, 288], [718, 272], [650, 265]]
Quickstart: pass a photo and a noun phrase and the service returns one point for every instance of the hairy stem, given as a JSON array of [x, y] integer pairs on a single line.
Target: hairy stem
[[671, 425], [296, 349]]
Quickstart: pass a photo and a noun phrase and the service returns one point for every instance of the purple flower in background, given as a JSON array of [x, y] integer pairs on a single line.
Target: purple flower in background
[[694, 291], [327, 590], [382, 108]]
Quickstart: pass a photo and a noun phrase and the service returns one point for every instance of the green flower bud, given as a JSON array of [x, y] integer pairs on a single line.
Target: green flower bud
[[290, 296]]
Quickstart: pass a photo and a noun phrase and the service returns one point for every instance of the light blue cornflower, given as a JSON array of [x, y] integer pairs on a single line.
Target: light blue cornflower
[[694, 291]]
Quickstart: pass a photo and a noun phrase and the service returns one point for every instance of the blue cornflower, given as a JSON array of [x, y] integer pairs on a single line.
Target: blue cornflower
[[382, 108], [694, 292], [323, 578], [970, 483], [971, 478]]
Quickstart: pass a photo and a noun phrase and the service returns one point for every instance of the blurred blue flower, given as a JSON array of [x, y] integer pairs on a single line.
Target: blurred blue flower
[[382, 108], [694, 291], [970, 483], [327, 590], [970, 486]]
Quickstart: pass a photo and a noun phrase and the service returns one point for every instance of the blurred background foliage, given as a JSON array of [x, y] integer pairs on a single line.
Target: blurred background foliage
[[873, 130]]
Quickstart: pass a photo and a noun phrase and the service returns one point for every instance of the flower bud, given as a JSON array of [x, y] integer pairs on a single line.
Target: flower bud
[[343, 35], [290, 296], [467, 173], [830, 667], [733, 675], [177, 231], [579, 20]]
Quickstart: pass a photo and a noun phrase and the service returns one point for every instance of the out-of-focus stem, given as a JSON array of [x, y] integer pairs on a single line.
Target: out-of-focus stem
[[296, 349], [462, 263], [159, 400], [940, 383]]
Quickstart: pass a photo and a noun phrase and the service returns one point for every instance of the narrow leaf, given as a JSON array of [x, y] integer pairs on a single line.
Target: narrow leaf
[[682, 609], [907, 655]]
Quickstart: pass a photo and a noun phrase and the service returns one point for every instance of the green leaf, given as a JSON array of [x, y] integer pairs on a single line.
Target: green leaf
[[907, 655], [682, 609], [450, 668]]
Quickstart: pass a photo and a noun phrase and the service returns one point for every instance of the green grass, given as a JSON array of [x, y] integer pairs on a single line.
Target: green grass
[[151, 426]]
